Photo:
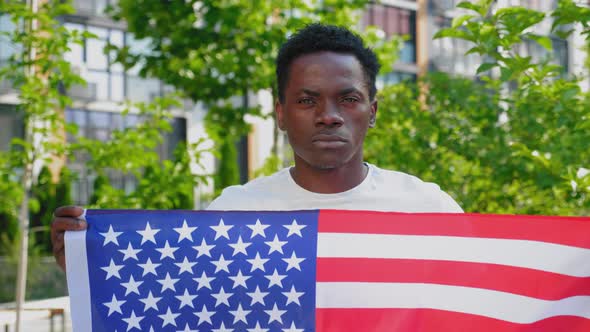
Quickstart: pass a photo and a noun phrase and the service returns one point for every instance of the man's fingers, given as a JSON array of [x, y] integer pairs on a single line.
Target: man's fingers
[[67, 224], [68, 211], [58, 243]]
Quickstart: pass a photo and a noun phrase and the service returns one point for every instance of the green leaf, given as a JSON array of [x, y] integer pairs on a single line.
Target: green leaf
[[542, 40], [505, 73], [486, 66], [459, 20], [468, 5]]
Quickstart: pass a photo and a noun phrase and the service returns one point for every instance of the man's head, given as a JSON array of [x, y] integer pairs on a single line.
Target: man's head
[[326, 96], [317, 38]]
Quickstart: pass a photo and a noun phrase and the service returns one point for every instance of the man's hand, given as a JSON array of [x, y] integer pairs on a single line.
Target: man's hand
[[65, 218]]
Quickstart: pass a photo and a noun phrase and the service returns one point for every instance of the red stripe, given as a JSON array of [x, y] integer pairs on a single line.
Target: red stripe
[[429, 320], [523, 281], [572, 231]]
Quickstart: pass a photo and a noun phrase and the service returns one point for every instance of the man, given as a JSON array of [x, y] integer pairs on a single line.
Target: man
[[326, 104]]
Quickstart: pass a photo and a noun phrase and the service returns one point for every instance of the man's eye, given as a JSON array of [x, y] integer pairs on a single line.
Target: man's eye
[[350, 99], [307, 101]]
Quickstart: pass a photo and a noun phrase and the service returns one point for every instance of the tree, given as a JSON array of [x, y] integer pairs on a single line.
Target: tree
[[515, 142], [216, 52]]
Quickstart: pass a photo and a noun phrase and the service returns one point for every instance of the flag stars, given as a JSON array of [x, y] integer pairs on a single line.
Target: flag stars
[[293, 262], [240, 314], [258, 229], [149, 267], [167, 251], [240, 280], [293, 296], [222, 264], [292, 328], [204, 316], [240, 246], [114, 305], [222, 297], [187, 329], [185, 266], [130, 252], [133, 321], [294, 228], [257, 263], [275, 314], [150, 302], [148, 234], [257, 296], [132, 286], [112, 270], [185, 232], [186, 299], [169, 318], [167, 282], [204, 281], [221, 230], [110, 236], [257, 328], [275, 279], [222, 328], [204, 249], [275, 245]]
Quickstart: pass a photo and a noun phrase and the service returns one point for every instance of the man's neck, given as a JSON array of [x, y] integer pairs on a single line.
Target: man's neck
[[329, 181]]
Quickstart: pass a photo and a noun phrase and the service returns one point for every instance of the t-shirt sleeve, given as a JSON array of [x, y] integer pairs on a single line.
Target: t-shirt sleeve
[[231, 198], [448, 204]]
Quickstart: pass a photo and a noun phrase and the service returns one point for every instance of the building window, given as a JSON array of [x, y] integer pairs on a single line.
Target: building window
[[100, 126], [448, 54], [11, 125], [394, 21]]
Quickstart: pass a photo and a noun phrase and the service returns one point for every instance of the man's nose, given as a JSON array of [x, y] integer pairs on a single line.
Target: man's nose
[[328, 114]]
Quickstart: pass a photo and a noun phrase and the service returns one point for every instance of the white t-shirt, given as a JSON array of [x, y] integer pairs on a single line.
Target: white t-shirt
[[381, 190]]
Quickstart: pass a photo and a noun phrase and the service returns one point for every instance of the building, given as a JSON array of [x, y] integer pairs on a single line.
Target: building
[[97, 113]]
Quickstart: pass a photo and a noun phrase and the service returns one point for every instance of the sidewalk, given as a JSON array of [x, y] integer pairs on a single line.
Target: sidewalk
[[49, 315]]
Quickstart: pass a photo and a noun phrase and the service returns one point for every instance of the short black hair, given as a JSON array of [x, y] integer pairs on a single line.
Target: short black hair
[[318, 37]]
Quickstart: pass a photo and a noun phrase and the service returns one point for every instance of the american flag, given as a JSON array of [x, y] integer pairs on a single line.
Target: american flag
[[328, 270]]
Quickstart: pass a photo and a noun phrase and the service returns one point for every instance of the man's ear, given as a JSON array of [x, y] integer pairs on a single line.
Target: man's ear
[[279, 112], [373, 116]]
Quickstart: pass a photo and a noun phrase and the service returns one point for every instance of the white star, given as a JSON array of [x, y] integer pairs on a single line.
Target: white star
[[204, 316], [185, 266], [294, 228], [186, 299], [257, 296], [148, 234], [204, 281], [222, 297], [169, 318], [240, 280], [221, 230], [131, 286], [275, 279], [293, 262], [110, 236], [240, 314], [257, 328], [275, 314], [149, 267], [186, 329], [222, 328], [293, 296], [150, 302], [258, 229], [133, 321], [167, 251], [204, 249], [240, 246], [222, 264], [114, 306], [292, 328], [257, 262], [185, 232], [167, 283], [275, 245], [130, 252], [112, 270]]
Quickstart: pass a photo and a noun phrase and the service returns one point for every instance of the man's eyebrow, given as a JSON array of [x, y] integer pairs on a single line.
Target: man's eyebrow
[[311, 92], [349, 90]]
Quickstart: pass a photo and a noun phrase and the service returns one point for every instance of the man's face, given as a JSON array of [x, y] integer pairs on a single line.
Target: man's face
[[327, 110]]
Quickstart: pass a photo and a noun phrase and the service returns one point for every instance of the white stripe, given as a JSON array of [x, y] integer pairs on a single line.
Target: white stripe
[[78, 280], [550, 257], [505, 306]]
